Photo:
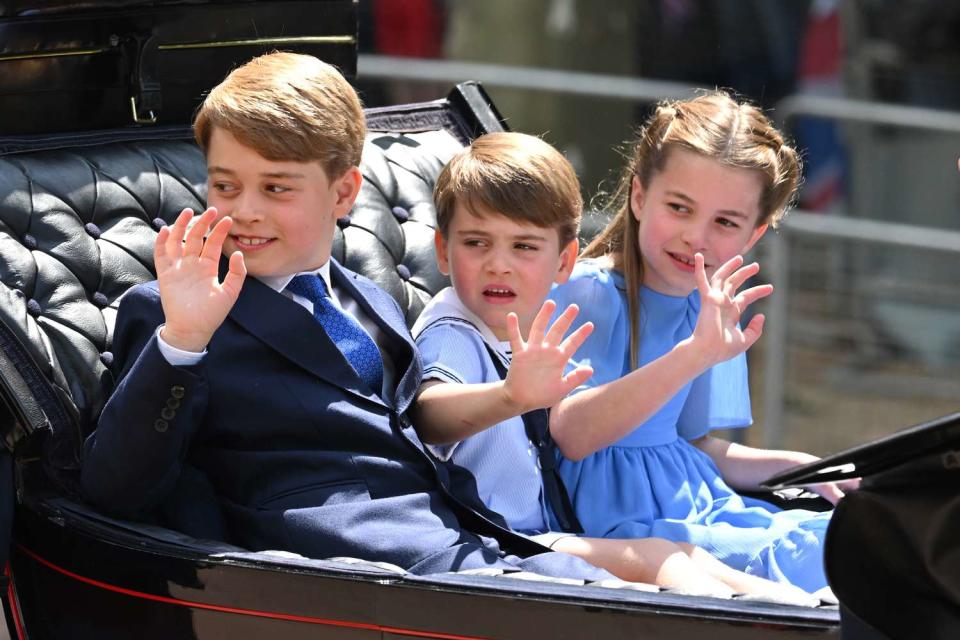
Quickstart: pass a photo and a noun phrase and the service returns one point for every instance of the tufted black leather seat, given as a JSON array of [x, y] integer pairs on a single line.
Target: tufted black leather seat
[[78, 218]]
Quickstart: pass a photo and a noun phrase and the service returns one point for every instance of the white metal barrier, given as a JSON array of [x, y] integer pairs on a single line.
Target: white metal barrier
[[777, 244], [776, 264]]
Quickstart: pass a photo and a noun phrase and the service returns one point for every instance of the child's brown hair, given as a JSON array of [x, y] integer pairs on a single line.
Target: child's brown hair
[[716, 126], [514, 174], [288, 107]]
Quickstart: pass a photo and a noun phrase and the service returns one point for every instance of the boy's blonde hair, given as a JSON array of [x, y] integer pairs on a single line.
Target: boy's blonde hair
[[716, 126], [288, 107], [514, 174]]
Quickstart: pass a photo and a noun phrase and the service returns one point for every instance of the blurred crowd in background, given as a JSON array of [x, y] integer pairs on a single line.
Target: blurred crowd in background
[[872, 338]]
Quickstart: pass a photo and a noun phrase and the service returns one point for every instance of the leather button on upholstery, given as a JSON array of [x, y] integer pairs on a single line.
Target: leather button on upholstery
[[100, 300], [173, 403], [343, 222], [106, 358], [92, 229], [177, 391], [403, 271], [33, 308], [159, 223], [401, 214], [161, 425], [168, 413], [29, 242]]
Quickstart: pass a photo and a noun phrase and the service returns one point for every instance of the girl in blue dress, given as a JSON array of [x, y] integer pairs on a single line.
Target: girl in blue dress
[[707, 178]]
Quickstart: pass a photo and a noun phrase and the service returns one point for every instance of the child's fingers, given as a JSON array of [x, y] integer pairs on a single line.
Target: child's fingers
[[560, 327], [513, 333], [576, 378], [703, 285], [193, 242], [727, 268], [828, 490], [160, 248], [753, 330], [177, 231], [748, 296], [539, 325], [849, 485], [214, 244], [738, 277], [575, 340], [235, 275]]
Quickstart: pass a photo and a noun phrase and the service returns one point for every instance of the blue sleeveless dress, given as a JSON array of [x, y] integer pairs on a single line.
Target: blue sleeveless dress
[[653, 482]]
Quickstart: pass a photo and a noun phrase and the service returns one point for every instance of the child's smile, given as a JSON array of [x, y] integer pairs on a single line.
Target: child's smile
[[250, 243]]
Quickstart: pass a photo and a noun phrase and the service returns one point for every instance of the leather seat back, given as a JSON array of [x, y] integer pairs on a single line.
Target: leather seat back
[[78, 218]]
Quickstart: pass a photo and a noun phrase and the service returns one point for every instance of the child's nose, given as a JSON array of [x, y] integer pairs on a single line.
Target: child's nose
[[245, 209], [694, 236], [498, 262]]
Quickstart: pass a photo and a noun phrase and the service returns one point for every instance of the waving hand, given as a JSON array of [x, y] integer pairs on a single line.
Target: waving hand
[[194, 300], [721, 307], [536, 376]]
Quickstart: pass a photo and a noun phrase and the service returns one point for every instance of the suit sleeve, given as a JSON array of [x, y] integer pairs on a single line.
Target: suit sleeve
[[134, 457]]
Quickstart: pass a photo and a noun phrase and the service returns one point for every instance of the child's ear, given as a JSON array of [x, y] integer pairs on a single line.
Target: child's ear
[[755, 236], [637, 195], [346, 187], [568, 258], [440, 248]]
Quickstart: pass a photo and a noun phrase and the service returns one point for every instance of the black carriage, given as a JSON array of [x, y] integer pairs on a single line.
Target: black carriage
[[81, 199]]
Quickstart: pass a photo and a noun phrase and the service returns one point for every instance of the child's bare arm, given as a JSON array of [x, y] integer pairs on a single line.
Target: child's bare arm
[[595, 418], [745, 467], [194, 300], [445, 412]]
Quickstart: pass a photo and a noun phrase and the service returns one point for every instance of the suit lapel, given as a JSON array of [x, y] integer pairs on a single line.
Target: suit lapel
[[292, 332], [382, 309]]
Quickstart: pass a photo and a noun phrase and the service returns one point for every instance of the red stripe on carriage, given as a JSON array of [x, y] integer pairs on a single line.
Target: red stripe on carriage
[[14, 605], [236, 610]]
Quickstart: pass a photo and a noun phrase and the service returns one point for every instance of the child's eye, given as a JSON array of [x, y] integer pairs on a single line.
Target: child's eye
[[276, 188], [727, 222], [474, 243], [678, 207], [223, 187], [522, 246]]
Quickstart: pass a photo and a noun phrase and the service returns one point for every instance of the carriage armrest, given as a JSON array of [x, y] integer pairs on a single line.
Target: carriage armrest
[[792, 498]]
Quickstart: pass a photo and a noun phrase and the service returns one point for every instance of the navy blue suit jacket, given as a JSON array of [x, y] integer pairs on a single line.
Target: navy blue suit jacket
[[281, 435]]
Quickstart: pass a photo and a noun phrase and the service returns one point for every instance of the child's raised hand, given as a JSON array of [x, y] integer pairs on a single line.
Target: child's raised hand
[[194, 300], [721, 306], [536, 377]]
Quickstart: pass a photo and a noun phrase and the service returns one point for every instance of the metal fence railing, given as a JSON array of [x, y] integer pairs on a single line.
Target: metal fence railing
[[777, 262], [856, 226]]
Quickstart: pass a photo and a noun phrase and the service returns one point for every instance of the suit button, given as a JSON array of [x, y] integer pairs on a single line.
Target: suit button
[[161, 425], [173, 403], [168, 414], [177, 391]]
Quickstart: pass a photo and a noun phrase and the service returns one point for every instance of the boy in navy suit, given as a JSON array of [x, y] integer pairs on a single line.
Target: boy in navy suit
[[273, 374]]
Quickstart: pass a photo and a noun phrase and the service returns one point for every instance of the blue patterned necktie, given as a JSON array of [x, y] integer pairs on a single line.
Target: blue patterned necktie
[[353, 342]]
